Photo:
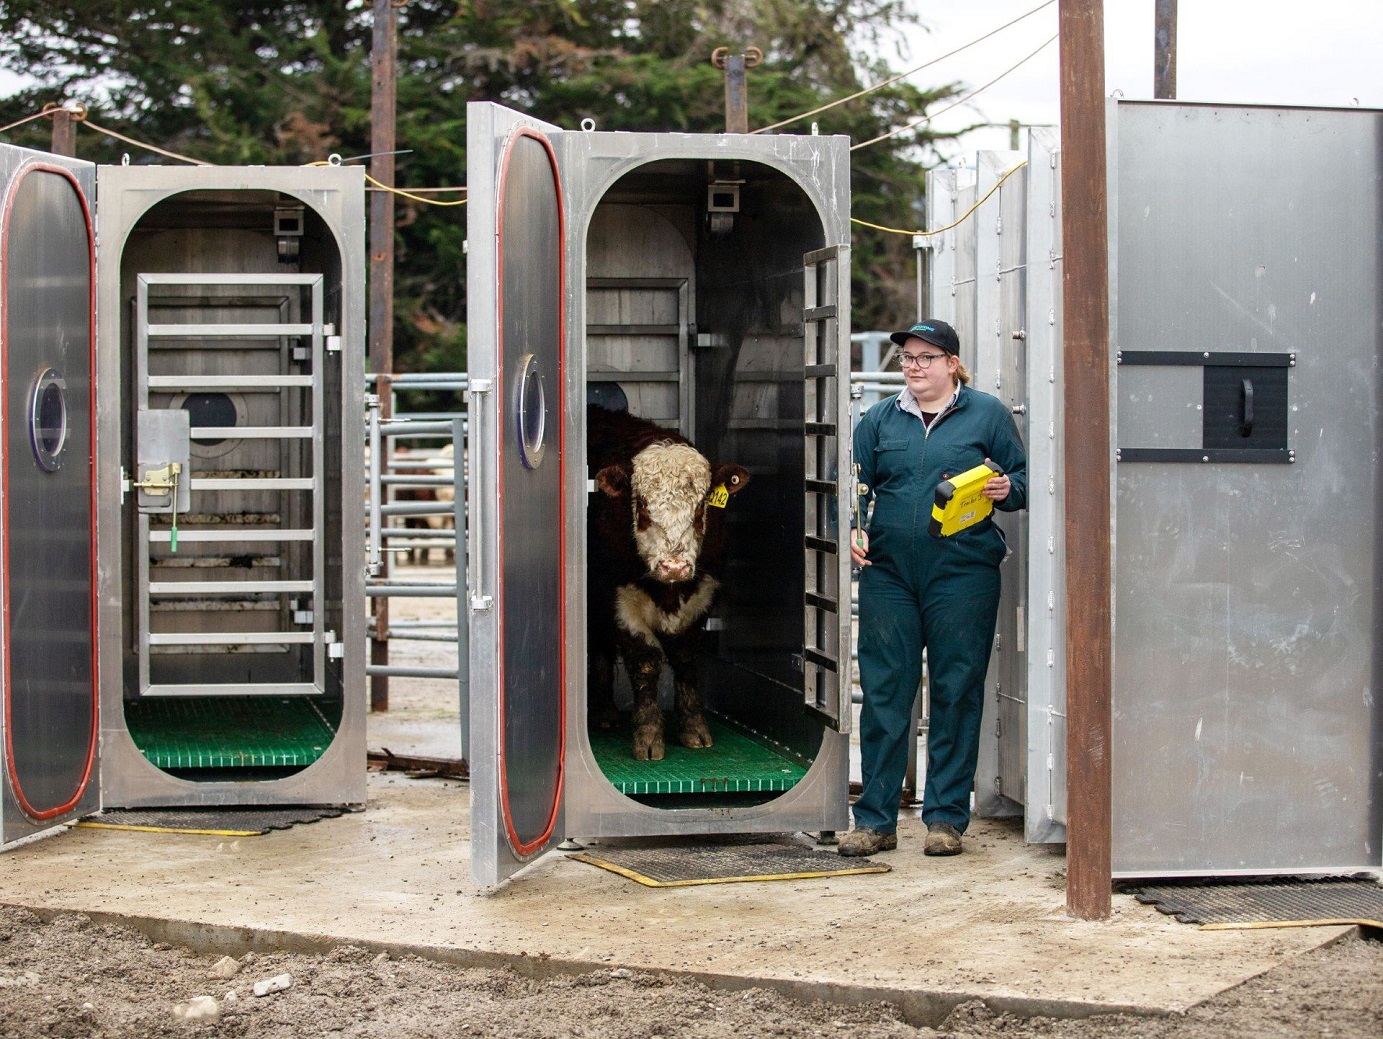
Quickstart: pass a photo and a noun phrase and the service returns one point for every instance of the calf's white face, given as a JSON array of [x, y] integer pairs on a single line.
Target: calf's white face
[[668, 487]]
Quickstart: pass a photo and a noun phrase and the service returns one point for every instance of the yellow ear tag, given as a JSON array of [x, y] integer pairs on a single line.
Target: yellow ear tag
[[719, 496]]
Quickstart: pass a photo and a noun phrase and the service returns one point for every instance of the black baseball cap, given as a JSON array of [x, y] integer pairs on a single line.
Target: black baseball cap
[[938, 333]]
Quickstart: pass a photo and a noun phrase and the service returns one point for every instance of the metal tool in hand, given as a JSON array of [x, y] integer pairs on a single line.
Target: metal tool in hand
[[861, 493]]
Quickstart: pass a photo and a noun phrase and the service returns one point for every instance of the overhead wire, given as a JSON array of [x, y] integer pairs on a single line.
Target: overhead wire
[[147, 147], [941, 111], [26, 119], [902, 75]]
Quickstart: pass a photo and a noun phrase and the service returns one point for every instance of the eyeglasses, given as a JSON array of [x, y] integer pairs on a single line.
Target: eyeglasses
[[917, 360]]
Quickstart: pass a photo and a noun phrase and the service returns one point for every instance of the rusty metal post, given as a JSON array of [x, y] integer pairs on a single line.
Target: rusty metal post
[[64, 132], [1165, 50], [1085, 307], [736, 85], [736, 95], [383, 102]]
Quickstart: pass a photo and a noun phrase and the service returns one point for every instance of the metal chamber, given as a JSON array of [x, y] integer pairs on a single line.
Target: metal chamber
[[231, 308], [726, 369], [705, 283], [996, 277], [1245, 321]]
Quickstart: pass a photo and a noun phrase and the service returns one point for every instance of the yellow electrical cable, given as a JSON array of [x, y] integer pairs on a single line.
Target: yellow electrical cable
[[967, 97], [415, 198], [902, 75], [964, 216], [400, 191]]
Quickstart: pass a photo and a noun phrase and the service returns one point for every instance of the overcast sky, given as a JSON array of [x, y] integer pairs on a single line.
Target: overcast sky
[[1289, 52]]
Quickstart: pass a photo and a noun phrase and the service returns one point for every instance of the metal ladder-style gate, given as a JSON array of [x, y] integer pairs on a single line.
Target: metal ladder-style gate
[[414, 461]]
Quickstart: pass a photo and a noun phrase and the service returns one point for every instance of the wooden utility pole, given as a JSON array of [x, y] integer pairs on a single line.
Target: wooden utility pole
[[383, 103], [1085, 367], [1165, 50]]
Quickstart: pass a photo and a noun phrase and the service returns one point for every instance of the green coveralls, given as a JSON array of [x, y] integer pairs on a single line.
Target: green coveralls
[[922, 591]]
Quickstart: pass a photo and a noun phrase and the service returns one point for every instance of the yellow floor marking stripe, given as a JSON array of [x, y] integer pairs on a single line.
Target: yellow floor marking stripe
[[650, 882], [169, 829], [1359, 922]]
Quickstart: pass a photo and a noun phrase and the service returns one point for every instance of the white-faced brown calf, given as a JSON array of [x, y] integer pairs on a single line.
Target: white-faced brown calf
[[656, 545]]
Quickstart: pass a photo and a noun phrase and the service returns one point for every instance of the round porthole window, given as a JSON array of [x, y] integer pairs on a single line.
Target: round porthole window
[[212, 410], [209, 409], [48, 420], [530, 410]]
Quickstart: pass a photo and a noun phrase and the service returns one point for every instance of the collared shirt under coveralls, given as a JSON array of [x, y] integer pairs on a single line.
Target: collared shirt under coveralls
[[923, 591]]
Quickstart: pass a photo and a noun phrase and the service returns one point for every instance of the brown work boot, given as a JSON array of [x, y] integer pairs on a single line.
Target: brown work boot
[[942, 839], [864, 841]]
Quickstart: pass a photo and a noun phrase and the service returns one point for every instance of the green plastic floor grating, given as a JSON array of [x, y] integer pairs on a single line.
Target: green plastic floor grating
[[228, 732], [737, 763]]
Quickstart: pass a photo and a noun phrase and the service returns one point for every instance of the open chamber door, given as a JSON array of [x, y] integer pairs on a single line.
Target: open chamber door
[[48, 680], [517, 502]]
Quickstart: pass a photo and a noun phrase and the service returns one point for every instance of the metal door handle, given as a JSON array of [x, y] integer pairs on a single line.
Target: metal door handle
[[374, 562], [477, 390], [1246, 426]]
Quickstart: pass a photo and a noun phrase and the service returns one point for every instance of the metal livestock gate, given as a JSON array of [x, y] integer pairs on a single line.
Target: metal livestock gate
[[195, 378], [704, 280]]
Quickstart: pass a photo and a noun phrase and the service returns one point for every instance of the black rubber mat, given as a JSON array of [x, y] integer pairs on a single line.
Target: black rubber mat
[[1276, 902], [220, 822], [683, 865]]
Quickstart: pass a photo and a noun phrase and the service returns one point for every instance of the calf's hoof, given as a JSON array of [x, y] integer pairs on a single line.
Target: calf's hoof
[[648, 743], [695, 734]]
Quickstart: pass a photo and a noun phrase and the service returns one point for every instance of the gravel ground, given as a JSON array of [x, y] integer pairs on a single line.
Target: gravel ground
[[70, 977]]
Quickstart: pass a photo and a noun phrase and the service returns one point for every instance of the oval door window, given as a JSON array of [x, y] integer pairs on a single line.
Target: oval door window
[[530, 411], [48, 420]]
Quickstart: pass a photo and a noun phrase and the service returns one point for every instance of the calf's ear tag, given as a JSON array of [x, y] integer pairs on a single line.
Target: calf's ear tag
[[718, 497]]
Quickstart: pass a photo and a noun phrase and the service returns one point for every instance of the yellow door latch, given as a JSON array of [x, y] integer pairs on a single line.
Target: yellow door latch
[[164, 481]]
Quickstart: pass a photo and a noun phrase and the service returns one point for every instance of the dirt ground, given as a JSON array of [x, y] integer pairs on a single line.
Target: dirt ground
[[69, 977]]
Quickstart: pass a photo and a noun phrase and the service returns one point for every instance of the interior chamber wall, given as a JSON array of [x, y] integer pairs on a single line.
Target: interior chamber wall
[[701, 328]]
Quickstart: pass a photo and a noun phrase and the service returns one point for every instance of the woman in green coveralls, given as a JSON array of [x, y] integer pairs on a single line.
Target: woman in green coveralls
[[917, 590]]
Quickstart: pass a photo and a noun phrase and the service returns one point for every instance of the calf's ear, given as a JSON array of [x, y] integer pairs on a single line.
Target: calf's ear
[[613, 480], [730, 476]]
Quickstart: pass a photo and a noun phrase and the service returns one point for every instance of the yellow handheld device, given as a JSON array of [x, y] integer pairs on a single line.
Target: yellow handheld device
[[960, 501]]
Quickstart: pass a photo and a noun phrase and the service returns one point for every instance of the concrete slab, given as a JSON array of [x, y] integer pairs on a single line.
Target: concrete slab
[[988, 924]]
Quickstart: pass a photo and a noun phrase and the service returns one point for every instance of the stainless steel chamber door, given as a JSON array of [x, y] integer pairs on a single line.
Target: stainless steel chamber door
[[48, 684], [517, 498], [1247, 727], [228, 477], [827, 489]]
